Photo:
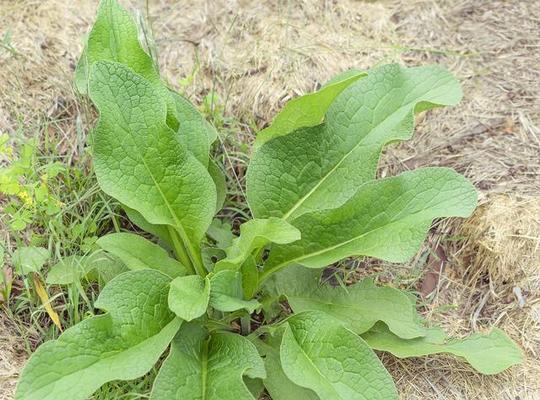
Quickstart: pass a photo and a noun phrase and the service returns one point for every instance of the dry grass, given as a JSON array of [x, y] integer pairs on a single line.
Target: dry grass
[[490, 279], [257, 55], [12, 356]]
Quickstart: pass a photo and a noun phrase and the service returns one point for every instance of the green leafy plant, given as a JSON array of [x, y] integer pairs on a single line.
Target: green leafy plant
[[25, 184], [209, 296], [27, 261]]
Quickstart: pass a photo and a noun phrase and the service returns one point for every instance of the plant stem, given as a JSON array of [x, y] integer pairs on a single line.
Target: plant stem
[[245, 324], [191, 256], [180, 250], [198, 263], [204, 362], [265, 274]]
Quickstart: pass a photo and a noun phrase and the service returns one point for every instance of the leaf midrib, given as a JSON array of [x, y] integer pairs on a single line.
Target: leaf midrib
[[323, 377], [178, 225], [110, 355], [337, 246], [336, 166], [113, 45], [204, 369]]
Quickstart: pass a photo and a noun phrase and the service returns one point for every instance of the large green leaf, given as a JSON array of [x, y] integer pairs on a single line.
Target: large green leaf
[[159, 231], [386, 218], [103, 267], [114, 37], [139, 253], [307, 110], [321, 167], [255, 234], [29, 259], [98, 266], [227, 294], [319, 353], [202, 367], [358, 306], [255, 386], [218, 176], [221, 233], [123, 344], [195, 133], [250, 277], [349, 73], [189, 296], [69, 270], [276, 383], [140, 161], [489, 354]]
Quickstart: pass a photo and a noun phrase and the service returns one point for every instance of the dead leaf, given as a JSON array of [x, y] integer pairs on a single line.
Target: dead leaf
[[435, 266], [44, 297]]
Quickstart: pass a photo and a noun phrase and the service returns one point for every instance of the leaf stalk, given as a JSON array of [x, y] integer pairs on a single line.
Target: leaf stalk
[[180, 250]]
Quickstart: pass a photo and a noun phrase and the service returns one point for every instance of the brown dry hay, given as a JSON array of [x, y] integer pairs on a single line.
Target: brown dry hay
[[502, 241], [12, 356], [257, 55], [491, 279]]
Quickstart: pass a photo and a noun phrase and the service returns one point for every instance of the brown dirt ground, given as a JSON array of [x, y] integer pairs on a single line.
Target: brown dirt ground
[[257, 55]]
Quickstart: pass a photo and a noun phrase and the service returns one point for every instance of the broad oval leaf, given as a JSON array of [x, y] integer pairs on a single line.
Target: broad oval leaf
[[68, 270], [255, 234], [189, 296], [123, 344], [140, 161], [221, 233], [276, 383], [487, 353], [227, 294], [386, 218], [321, 167], [195, 132], [137, 252], [307, 110], [203, 367], [358, 306], [29, 259], [318, 353], [250, 277], [102, 267], [114, 37], [218, 176], [159, 231]]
